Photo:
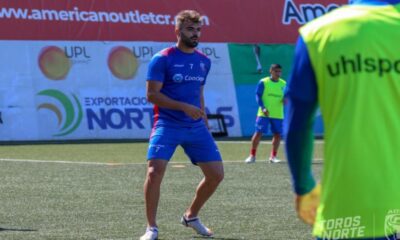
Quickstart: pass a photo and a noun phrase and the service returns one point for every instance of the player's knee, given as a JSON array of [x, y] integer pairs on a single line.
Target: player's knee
[[216, 178], [220, 177], [154, 174]]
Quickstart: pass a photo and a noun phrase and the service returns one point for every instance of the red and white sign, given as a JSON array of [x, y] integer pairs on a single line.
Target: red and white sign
[[238, 21]]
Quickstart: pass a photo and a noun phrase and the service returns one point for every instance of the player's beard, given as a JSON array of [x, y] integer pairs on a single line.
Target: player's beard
[[190, 42]]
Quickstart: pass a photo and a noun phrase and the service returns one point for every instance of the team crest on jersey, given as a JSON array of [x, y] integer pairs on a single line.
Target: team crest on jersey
[[178, 78], [203, 67], [392, 223]]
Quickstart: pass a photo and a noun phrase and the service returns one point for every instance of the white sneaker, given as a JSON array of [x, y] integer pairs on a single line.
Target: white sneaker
[[151, 234], [197, 226], [274, 160], [250, 159]]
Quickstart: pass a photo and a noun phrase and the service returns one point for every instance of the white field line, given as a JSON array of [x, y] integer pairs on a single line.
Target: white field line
[[52, 161], [110, 164]]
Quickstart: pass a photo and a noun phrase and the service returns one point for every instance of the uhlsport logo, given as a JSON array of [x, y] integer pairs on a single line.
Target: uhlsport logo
[[70, 117], [53, 63], [392, 224], [122, 63]]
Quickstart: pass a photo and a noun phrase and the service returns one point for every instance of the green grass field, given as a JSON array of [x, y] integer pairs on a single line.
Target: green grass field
[[94, 191]]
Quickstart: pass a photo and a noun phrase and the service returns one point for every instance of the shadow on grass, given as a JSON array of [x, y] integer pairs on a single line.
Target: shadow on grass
[[16, 230], [216, 238]]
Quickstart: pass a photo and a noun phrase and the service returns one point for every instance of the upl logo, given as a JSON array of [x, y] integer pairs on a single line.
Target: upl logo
[[68, 110], [53, 63], [122, 63]]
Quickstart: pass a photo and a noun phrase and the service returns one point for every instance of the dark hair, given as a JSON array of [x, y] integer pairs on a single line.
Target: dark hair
[[187, 15], [275, 66]]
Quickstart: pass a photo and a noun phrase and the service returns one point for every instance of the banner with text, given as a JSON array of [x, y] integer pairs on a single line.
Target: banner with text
[[93, 90], [237, 21]]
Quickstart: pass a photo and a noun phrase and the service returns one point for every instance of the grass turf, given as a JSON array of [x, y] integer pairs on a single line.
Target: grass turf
[[50, 200]]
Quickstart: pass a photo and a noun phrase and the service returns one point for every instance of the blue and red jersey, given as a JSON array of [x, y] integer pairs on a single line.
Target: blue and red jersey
[[183, 75]]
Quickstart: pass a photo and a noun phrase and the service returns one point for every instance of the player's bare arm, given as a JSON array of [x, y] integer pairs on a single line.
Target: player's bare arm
[[203, 106], [156, 97]]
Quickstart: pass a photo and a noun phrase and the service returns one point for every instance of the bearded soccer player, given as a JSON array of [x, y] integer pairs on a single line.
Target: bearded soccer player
[[348, 62], [175, 84]]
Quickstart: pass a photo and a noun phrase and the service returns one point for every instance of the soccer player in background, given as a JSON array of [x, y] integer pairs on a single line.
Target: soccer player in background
[[269, 96], [257, 54], [348, 62], [175, 83]]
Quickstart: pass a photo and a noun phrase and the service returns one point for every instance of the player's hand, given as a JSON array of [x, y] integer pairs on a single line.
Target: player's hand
[[193, 111], [307, 204], [265, 111]]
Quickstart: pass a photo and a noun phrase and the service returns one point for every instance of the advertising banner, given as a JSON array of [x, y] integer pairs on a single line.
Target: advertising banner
[[93, 90], [231, 21], [74, 69]]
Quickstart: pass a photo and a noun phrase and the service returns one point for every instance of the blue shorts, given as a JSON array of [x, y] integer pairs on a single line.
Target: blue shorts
[[263, 122], [197, 142]]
